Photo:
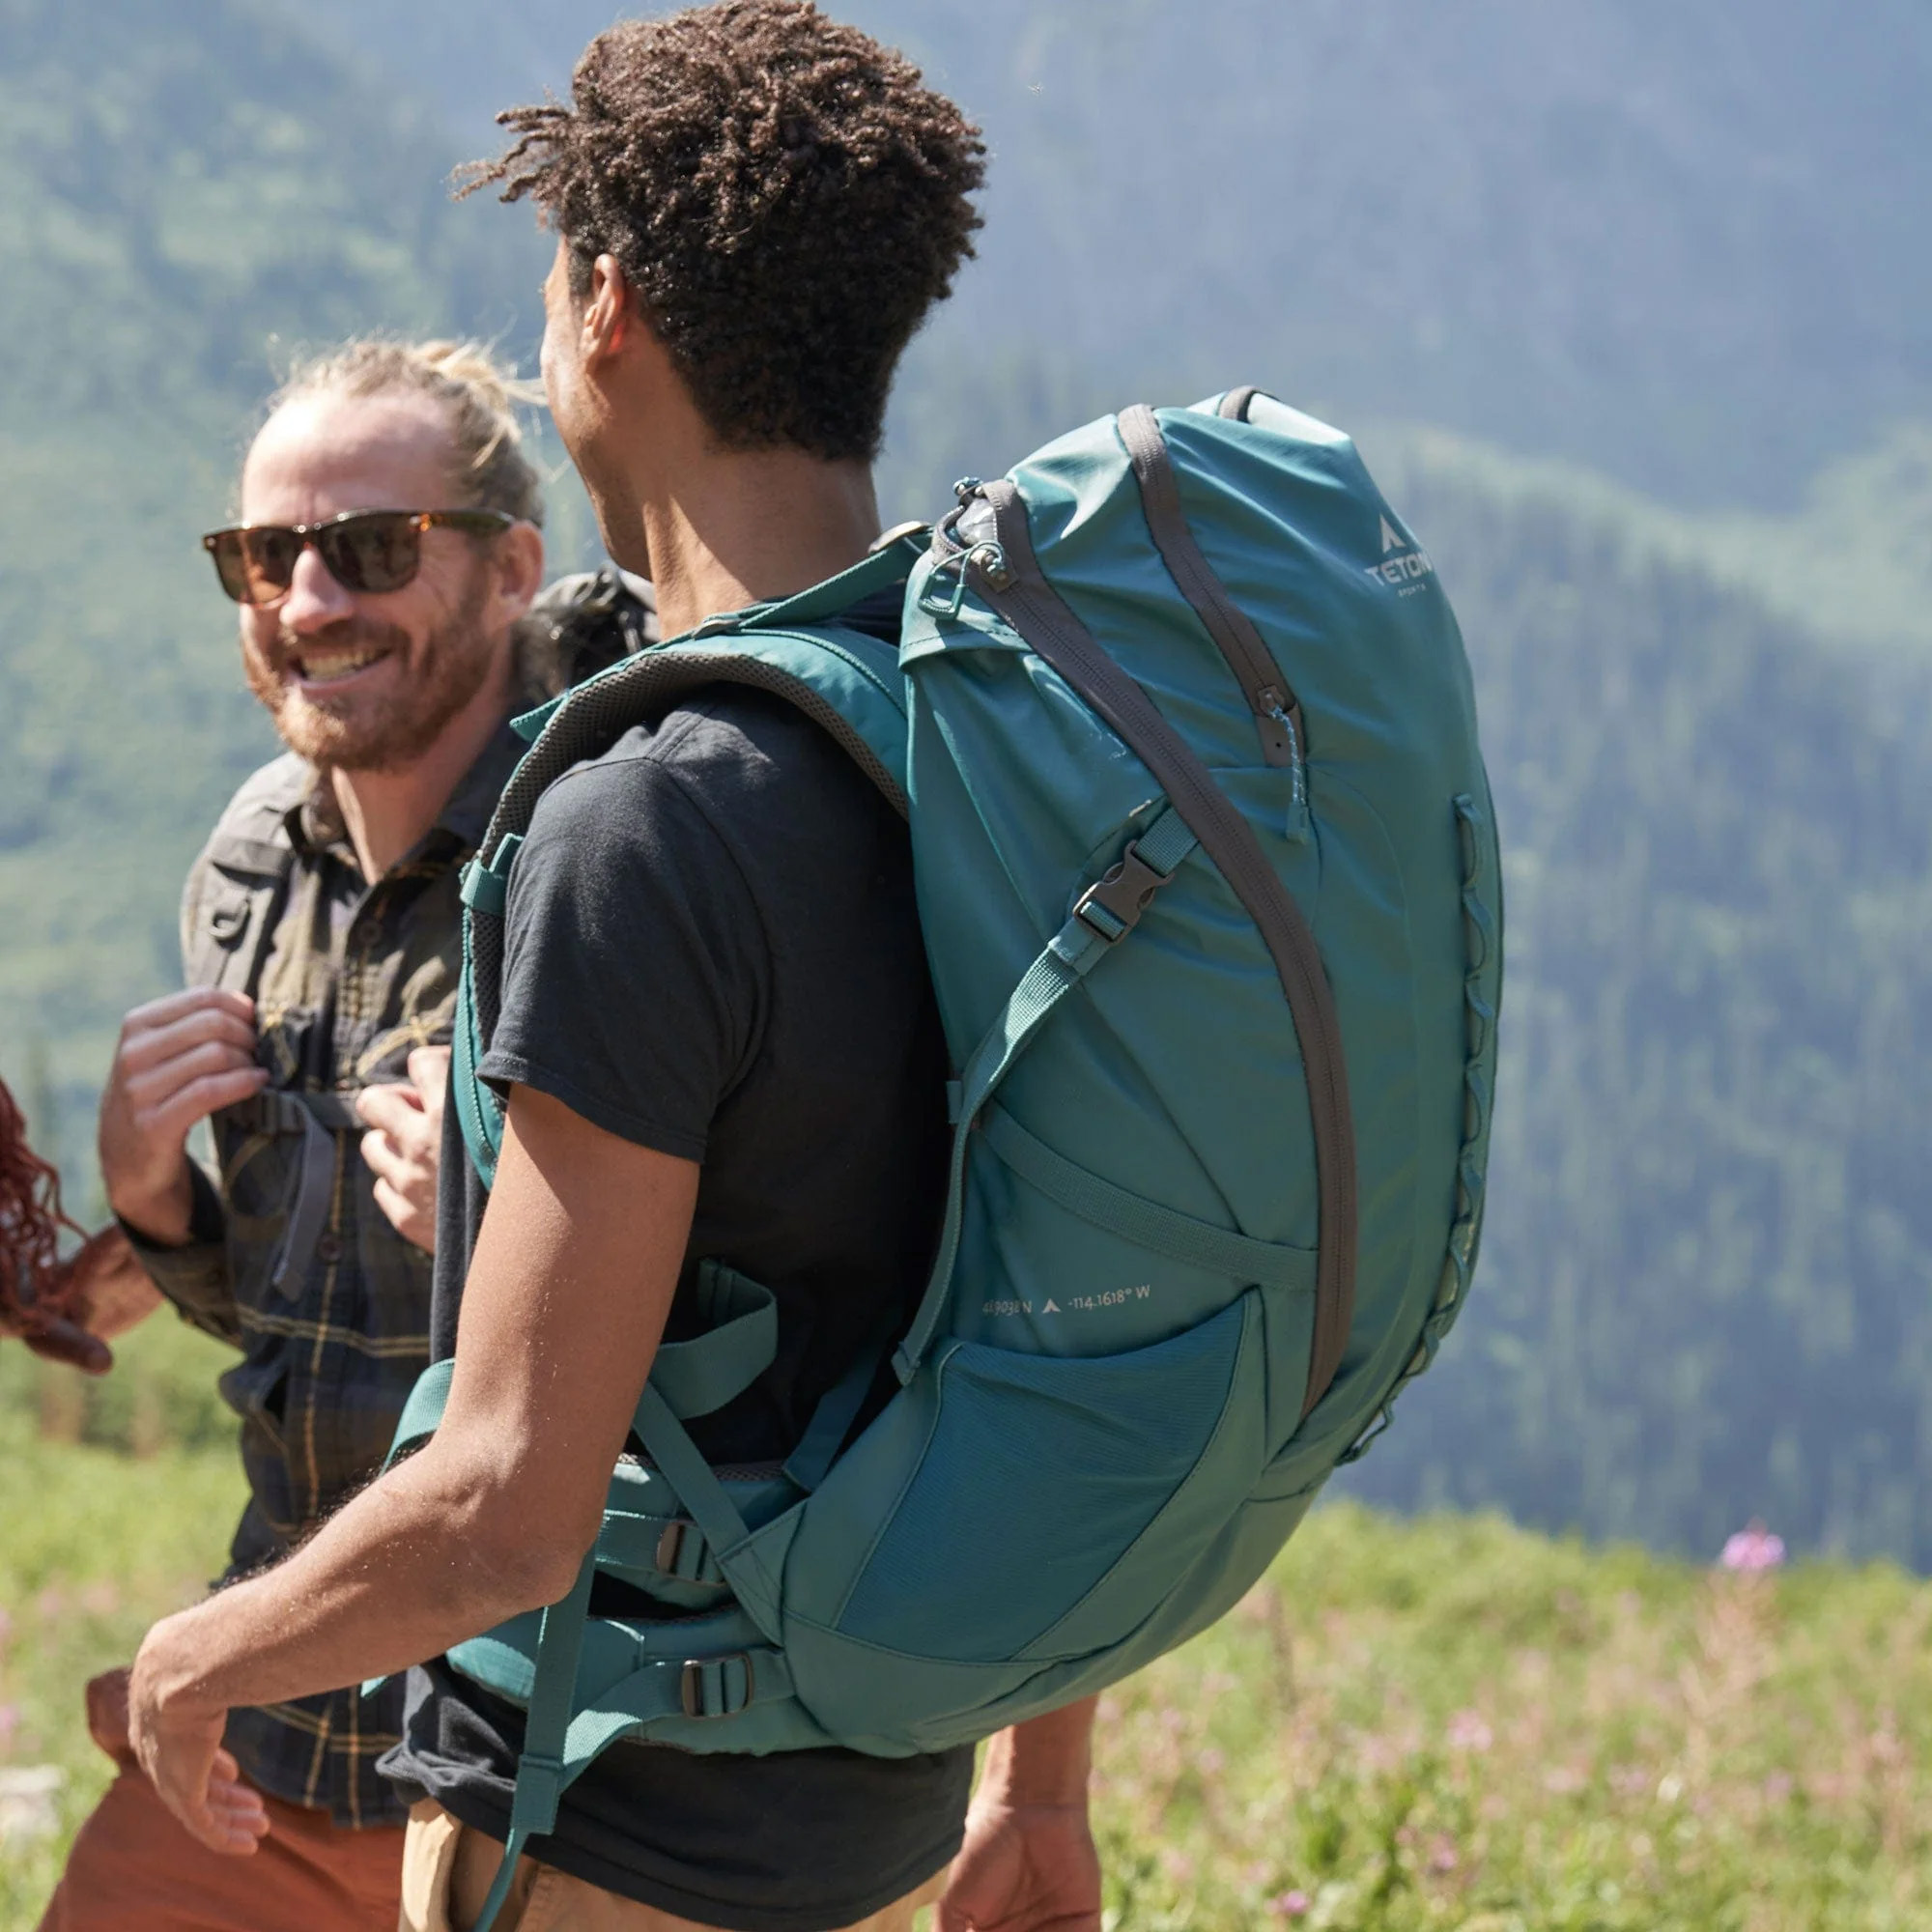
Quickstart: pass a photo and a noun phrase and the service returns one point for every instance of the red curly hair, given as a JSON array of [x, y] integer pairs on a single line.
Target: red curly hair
[[34, 1290]]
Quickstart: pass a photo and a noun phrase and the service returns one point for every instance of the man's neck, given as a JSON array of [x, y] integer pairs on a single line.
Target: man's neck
[[387, 813], [741, 527]]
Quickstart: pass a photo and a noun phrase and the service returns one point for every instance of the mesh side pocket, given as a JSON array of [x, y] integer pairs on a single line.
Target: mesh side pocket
[[1040, 1473]]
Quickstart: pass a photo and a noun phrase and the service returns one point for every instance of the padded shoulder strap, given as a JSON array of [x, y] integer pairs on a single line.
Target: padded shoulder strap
[[236, 889], [842, 679], [845, 680]]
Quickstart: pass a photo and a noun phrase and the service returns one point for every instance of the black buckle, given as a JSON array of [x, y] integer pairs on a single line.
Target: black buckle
[[1119, 898], [691, 1683]]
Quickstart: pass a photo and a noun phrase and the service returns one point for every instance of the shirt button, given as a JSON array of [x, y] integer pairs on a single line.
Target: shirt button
[[328, 1248]]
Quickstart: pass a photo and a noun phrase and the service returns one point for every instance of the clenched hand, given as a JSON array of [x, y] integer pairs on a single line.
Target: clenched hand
[[180, 1059], [404, 1143]]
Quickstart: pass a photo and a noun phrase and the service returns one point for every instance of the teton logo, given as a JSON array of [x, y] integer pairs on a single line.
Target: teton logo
[[1404, 563]]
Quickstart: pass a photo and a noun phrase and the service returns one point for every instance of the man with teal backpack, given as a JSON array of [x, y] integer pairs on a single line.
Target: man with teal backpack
[[846, 1373]]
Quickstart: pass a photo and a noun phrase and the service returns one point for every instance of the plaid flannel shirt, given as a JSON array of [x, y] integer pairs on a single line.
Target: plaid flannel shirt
[[353, 979]]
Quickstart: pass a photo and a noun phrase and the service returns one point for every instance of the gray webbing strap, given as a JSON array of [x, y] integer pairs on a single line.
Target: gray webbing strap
[[308, 1207], [1047, 624]]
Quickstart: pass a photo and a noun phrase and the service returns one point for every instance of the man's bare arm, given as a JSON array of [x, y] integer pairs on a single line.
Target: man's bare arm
[[565, 1302], [1028, 1863]]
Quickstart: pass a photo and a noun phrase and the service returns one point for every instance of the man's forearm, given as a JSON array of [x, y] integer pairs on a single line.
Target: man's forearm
[[1044, 1761], [403, 1571], [562, 1312]]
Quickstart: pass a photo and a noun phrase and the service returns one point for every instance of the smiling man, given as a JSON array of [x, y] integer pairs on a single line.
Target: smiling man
[[387, 551]]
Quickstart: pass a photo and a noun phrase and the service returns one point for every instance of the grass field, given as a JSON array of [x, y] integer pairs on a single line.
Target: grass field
[[1448, 1723]]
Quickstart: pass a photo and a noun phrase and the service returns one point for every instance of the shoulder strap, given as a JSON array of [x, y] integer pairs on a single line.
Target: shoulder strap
[[236, 888], [846, 681], [586, 622]]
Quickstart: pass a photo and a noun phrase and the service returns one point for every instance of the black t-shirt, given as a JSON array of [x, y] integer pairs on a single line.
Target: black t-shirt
[[712, 950]]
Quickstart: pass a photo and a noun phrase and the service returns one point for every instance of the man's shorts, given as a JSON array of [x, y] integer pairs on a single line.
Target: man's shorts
[[449, 1870], [134, 1865]]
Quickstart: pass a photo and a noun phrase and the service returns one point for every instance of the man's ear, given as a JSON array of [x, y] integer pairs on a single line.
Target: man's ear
[[610, 311], [520, 567]]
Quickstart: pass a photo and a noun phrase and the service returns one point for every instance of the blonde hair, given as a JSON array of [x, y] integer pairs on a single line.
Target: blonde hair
[[477, 394]]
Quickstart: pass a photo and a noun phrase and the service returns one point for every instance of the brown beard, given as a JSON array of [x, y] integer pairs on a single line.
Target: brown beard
[[444, 673]]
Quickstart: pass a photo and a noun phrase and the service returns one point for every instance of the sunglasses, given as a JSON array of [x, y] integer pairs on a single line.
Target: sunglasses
[[364, 550]]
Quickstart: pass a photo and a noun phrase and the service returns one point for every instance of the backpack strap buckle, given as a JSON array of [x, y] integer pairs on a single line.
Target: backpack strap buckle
[[1112, 908], [683, 1554], [707, 1685]]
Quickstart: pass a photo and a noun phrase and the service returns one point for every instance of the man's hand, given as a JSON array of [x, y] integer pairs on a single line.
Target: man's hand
[[107, 1716], [107, 1290], [1028, 1863], [180, 1059], [404, 1142], [178, 1744], [1024, 1869]]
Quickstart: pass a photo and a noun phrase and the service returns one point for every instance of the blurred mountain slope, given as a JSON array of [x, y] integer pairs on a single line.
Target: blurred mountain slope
[[1683, 241], [1705, 1287], [182, 201], [1704, 1284]]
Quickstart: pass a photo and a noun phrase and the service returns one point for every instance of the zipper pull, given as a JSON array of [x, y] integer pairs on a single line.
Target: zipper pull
[[1280, 729], [1274, 727]]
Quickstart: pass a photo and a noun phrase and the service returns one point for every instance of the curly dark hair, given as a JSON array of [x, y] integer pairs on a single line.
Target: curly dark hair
[[785, 196]]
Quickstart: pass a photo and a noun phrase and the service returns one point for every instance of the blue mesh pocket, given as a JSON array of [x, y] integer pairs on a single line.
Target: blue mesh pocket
[[1040, 1473]]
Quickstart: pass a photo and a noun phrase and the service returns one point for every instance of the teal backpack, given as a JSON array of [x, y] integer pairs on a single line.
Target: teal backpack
[[1207, 875]]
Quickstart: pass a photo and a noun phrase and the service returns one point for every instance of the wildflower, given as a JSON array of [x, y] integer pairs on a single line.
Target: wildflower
[[1442, 1854], [10, 1722], [1753, 1548], [1470, 1731], [1289, 1905], [28, 1801]]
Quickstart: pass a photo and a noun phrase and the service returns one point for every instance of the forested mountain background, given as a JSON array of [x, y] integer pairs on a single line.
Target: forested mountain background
[[1627, 301]]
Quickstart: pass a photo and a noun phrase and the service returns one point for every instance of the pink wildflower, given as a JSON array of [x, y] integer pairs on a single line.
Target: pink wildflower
[[1442, 1854], [1470, 1731], [1289, 1905], [10, 1720], [1753, 1548]]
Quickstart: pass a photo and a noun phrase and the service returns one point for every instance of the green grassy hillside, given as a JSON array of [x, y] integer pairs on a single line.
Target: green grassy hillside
[[1451, 1723]]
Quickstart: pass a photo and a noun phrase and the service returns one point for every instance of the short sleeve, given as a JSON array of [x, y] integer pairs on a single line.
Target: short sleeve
[[636, 968]]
